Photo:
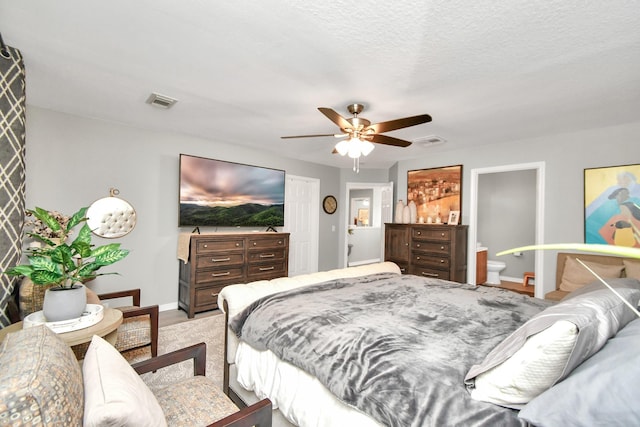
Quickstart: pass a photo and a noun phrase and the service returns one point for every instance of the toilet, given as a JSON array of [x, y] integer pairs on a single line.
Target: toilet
[[493, 271]]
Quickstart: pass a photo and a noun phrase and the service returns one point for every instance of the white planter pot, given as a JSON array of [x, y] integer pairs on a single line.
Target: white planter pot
[[399, 211], [64, 303], [406, 215], [414, 212]]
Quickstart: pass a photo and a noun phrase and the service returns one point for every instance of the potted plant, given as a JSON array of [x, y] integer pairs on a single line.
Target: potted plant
[[61, 264]]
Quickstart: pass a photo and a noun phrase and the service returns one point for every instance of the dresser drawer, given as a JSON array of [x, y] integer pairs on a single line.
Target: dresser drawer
[[269, 269], [432, 247], [219, 259], [207, 297], [267, 242], [266, 255], [426, 260], [204, 246], [424, 233], [430, 272], [219, 275]]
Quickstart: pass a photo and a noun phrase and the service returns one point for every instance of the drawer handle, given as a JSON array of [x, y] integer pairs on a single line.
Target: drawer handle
[[279, 242], [226, 273], [424, 273], [267, 268], [267, 255], [418, 245], [255, 244], [442, 234], [441, 261], [220, 259], [417, 257], [237, 245], [214, 295], [419, 233], [205, 245], [442, 247]]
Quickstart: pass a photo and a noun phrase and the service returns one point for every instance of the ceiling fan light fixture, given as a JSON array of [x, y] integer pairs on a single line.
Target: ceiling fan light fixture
[[342, 147], [366, 147], [354, 151], [362, 135]]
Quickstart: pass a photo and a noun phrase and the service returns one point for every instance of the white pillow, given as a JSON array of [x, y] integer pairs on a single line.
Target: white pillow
[[530, 370], [597, 315], [114, 393]]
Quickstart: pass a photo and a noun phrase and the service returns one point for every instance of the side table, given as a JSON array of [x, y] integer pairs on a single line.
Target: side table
[[107, 328]]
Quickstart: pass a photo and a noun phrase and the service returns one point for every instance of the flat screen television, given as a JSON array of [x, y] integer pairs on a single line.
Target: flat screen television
[[225, 194]]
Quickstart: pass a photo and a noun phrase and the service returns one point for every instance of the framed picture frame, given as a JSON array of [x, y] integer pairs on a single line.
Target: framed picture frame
[[363, 217], [454, 217], [612, 205], [436, 192]]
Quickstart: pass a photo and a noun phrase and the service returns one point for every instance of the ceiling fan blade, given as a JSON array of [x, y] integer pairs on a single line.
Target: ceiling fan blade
[[307, 136], [388, 140], [400, 123], [335, 118]]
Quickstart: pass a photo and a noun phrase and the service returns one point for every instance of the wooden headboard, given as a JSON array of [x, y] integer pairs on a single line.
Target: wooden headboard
[[601, 259]]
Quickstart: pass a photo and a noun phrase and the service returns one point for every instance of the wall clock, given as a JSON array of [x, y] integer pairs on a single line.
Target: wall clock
[[329, 204]]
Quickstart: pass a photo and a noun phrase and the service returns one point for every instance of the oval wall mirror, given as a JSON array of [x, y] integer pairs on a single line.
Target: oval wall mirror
[[111, 217]]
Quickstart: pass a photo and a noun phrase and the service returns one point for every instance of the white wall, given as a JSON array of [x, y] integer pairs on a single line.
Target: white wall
[[507, 201], [72, 161], [565, 156]]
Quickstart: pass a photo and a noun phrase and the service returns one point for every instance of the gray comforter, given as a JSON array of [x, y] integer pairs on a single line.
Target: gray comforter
[[395, 347]]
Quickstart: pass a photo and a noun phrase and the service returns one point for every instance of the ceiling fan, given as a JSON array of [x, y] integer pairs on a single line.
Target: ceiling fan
[[360, 133]]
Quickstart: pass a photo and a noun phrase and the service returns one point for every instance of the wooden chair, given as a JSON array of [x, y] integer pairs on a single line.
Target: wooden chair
[[139, 327], [41, 379], [259, 414]]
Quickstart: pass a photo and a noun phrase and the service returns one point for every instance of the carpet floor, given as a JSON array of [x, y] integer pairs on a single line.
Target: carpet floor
[[209, 330]]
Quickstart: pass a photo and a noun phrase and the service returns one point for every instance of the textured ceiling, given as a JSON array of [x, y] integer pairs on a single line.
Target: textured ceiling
[[248, 72]]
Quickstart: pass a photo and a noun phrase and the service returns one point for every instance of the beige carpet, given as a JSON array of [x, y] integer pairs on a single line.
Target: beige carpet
[[209, 330]]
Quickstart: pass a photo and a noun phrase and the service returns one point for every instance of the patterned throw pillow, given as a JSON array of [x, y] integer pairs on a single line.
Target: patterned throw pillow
[[36, 366]]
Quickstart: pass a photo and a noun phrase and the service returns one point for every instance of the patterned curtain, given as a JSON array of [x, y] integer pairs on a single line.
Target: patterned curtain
[[12, 122]]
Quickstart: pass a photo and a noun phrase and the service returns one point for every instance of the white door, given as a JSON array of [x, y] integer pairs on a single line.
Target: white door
[[301, 220], [372, 236]]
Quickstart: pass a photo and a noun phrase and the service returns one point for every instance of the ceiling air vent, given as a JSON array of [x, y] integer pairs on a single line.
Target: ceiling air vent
[[161, 101], [428, 141]]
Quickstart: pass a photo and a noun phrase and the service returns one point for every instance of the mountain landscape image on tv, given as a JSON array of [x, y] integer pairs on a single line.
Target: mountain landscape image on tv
[[225, 194]]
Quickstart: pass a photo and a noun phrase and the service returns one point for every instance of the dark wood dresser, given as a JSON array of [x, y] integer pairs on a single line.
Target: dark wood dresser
[[397, 241], [430, 250], [220, 259]]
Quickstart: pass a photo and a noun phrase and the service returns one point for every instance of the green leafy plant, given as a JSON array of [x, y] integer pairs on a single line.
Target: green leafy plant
[[59, 262]]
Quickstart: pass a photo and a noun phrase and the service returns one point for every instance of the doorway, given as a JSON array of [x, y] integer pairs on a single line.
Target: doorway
[[369, 207], [302, 204], [538, 168]]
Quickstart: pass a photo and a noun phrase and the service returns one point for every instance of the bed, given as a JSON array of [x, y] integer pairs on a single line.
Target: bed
[[368, 346], [570, 276]]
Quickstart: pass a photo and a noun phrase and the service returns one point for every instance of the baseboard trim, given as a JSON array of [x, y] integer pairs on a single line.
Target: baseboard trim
[[366, 261], [169, 306]]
